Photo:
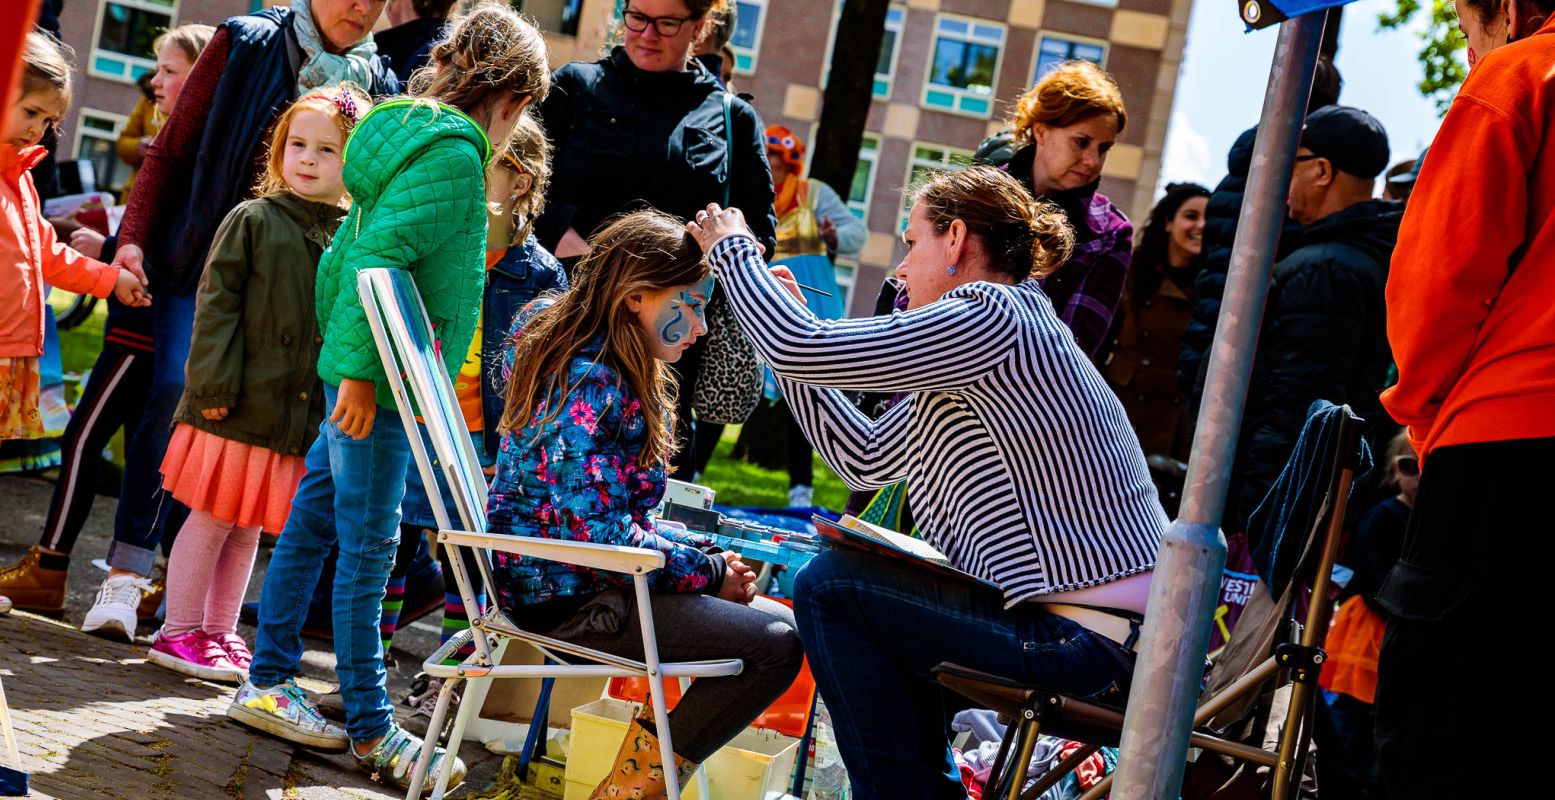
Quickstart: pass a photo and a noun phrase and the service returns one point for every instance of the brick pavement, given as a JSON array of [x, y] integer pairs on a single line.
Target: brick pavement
[[94, 719]]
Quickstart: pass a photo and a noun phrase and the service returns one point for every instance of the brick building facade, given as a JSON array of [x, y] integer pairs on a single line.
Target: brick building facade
[[949, 73]]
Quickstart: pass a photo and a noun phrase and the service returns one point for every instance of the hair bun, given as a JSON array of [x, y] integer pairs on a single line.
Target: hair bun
[[1052, 237]]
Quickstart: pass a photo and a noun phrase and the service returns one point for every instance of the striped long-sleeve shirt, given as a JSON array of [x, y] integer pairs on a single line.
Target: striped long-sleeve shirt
[[1020, 463]]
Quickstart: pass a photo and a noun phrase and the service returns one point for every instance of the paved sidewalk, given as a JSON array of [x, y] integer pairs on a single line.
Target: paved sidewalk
[[94, 719]]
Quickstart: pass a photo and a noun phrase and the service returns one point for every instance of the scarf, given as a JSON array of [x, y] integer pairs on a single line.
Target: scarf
[[787, 195], [323, 68]]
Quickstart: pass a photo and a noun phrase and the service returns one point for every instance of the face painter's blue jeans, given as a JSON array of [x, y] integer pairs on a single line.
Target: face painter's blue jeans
[[875, 629], [352, 491]]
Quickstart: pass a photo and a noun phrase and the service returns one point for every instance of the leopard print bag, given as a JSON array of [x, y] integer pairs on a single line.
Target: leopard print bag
[[728, 385]]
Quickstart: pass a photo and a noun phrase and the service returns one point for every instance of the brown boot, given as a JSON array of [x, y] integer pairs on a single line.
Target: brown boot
[[31, 587], [638, 773], [151, 601]]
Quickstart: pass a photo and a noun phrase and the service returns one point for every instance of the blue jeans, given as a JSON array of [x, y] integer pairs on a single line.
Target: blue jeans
[[145, 510], [874, 629], [352, 492]]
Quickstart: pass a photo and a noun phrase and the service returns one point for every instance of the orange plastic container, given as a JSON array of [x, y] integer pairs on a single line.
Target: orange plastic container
[[788, 715]]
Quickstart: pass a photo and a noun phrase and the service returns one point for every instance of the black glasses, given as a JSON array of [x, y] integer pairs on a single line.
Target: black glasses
[[637, 22], [1407, 466]]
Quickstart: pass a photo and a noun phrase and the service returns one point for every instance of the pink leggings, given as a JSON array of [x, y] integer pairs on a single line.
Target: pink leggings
[[207, 575]]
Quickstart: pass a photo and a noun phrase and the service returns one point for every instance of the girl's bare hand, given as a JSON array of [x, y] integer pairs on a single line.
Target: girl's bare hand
[[215, 414], [355, 408]]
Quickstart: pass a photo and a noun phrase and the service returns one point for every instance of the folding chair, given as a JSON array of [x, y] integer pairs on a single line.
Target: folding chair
[[402, 332], [1034, 710]]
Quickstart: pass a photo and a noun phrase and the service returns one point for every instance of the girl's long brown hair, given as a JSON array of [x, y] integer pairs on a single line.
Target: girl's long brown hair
[[640, 253]]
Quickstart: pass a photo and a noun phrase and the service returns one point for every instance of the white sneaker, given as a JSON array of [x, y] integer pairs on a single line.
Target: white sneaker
[[800, 496], [113, 613], [5, 604]]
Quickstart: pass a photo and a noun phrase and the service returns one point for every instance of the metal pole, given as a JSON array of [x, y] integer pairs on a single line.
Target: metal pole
[[1186, 587]]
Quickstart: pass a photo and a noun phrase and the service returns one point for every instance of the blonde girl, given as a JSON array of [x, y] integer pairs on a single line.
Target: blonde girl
[[30, 254]]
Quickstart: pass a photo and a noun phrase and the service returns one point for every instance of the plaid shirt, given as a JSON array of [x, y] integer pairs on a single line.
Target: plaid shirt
[[1087, 289]]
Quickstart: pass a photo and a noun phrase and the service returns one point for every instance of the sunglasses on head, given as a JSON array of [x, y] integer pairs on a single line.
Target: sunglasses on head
[[1407, 466]]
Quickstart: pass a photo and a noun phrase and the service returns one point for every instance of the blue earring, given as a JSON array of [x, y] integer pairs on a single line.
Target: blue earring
[[950, 270]]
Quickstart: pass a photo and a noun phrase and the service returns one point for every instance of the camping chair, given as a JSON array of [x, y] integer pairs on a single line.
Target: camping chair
[[402, 332], [1035, 710]]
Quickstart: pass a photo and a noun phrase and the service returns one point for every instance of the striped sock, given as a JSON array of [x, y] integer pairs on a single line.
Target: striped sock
[[456, 620], [393, 603]]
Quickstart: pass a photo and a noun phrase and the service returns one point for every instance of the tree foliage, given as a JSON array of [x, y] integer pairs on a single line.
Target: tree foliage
[[1442, 68]]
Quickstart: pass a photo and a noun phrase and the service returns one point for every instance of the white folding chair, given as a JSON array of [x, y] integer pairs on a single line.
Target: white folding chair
[[403, 335]]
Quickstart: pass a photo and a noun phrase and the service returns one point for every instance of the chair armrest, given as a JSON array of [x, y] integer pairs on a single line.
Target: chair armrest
[[608, 557]]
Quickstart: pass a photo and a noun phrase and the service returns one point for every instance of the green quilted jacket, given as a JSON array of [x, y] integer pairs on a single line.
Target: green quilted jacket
[[416, 174]]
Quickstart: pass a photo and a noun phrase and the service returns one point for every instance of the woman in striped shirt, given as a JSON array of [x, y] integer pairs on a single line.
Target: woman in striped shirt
[[1021, 465]]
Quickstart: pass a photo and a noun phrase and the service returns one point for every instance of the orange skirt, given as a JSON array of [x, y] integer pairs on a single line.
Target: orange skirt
[[19, 387], [234, 482]]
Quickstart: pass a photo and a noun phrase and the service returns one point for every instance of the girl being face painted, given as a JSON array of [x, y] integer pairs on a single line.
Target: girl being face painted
[[673, 318]]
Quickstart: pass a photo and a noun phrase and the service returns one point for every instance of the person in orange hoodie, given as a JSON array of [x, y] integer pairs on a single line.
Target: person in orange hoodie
[[30, 254], [1471, 320]]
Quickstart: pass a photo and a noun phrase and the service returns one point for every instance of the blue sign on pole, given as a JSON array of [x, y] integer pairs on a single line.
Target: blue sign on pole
[[1263, 13]]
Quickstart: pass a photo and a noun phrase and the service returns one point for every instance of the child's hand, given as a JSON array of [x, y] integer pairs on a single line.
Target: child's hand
[[714, 223], [215, 414], [130, 290], [355, 408], [87, 241], [739, 584]]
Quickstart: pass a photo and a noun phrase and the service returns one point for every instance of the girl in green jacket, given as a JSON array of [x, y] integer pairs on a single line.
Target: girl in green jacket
[[415, 170], [251, 403]]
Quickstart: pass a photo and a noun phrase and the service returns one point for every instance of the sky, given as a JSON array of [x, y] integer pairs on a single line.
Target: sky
[[1224, 73]]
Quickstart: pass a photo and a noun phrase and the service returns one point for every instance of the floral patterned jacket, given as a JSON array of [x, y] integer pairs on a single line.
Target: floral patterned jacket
[[578, 478]]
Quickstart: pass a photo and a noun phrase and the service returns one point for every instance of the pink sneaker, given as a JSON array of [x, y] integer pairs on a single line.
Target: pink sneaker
[[195, 654], [236, 649]]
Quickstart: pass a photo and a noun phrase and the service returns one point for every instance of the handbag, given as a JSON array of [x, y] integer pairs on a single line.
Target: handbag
[[728, 385]]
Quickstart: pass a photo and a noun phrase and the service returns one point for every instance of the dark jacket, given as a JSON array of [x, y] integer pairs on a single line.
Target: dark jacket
[[1142, 367], [1220, 221], [625, 139], [408, 47], [260, 81], [1324, 337], [256, 339], [525, 272]]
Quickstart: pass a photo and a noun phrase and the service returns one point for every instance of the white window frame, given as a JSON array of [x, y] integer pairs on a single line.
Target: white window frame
[[861, 209], [846, 269], [895, 26], [1036, 49], [128, 63], [111, 137], [964, 97], [914, 161], [754, 50]]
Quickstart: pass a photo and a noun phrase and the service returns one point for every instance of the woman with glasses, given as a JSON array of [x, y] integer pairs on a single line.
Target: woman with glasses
[[649, 127]]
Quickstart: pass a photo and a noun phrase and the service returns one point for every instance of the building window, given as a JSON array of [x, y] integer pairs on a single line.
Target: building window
[[1053, 50], [746, 40], [963, 67], [846, 269], [928, 159], [125, 31], [97, 137], [863, 186], [553, 16]]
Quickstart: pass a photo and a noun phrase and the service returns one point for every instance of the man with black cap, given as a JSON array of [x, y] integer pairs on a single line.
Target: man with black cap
[[1324, 333]]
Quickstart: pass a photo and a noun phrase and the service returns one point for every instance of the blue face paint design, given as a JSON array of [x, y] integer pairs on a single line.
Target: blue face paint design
[[683, 311]]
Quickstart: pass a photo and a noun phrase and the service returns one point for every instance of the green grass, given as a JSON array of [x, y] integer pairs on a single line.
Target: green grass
[[739, 483], [79, 345]]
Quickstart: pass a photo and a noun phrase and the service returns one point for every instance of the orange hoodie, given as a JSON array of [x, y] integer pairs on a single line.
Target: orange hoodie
[[1471, 291], [31, 255]]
